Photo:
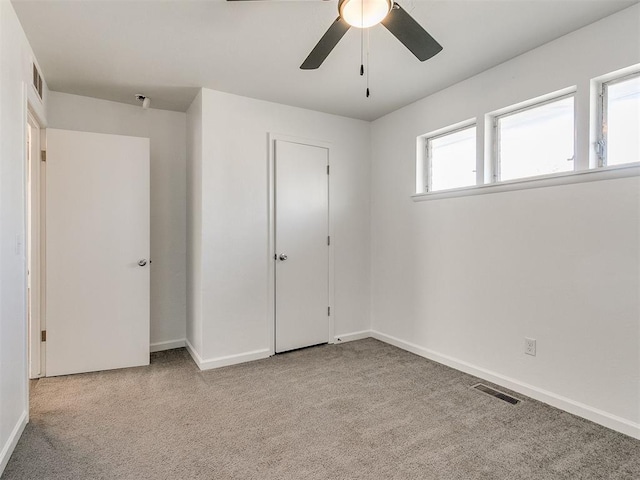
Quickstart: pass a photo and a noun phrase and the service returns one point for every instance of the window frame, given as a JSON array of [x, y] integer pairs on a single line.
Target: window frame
[[601, 145], [427, 161], [496, 164]]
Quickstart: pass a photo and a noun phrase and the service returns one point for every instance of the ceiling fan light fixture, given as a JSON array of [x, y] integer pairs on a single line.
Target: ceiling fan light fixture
[[364, 13]]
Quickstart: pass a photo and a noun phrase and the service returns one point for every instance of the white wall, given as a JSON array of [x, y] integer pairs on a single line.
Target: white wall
[[234, 257], [464, 280], [167, 131], [15, 87]]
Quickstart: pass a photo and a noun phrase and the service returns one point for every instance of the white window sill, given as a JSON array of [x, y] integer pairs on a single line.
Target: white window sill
[[591, 175]]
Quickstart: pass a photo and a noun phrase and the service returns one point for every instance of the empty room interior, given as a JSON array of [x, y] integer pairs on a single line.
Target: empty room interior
[[306, 239]]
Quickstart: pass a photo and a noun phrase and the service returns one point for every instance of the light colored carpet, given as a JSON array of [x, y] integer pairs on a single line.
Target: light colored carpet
[[360, 410]]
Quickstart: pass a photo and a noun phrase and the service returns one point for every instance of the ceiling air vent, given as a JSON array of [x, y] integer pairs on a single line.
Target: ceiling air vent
[[495, 393], [37, 81]]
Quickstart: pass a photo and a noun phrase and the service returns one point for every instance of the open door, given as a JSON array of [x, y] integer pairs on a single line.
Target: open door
[[97, 252]]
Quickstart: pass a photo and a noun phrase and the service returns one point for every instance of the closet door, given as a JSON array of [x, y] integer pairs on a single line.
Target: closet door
[[302, 250]]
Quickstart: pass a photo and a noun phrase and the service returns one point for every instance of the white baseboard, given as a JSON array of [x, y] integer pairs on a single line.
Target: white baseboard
[[192, 351], [210, 363], [593, 414], [168, 345], [12, 441], [350, 337]]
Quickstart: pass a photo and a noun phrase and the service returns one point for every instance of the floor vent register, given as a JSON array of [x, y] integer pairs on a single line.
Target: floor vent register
[[496, 393]]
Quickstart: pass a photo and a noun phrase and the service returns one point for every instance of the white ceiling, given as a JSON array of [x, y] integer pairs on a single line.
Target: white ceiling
[[168, 49]]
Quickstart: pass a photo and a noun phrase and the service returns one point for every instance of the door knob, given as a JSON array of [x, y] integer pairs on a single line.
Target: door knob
[[282, 257], [142, 262]]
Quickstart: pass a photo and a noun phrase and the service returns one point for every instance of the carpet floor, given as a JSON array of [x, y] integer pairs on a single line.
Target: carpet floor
[[359, 410]]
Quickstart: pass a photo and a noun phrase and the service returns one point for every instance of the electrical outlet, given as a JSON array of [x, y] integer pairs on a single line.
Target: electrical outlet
[[530, 346]]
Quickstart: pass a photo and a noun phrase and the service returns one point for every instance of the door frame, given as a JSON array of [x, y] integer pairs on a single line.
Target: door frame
[[34, 244], [271, 269]]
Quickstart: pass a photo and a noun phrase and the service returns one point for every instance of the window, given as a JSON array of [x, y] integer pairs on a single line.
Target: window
[[533, 143], [451, 159], [620, 121], [536, 140]]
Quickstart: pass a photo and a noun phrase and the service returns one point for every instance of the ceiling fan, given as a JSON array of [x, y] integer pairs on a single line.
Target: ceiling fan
[[368, 13]]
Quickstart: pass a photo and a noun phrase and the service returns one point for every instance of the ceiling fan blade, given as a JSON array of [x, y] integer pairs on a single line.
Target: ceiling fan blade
[[410, 33], [329, 40]]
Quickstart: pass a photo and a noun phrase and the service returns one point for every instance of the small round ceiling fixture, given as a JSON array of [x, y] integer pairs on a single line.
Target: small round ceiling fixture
[[146, 101], [364, 13]]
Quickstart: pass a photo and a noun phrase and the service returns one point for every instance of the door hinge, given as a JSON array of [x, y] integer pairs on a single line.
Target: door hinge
[[43, 336], [329, 311], [328, 240], [43, 155], [327, 169]]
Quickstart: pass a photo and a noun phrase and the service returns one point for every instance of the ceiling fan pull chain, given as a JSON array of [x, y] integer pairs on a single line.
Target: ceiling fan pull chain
[[362, 42], [368, 48]]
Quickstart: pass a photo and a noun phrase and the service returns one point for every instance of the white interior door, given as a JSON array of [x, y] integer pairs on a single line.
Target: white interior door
[[301, 242], [97, 233]]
